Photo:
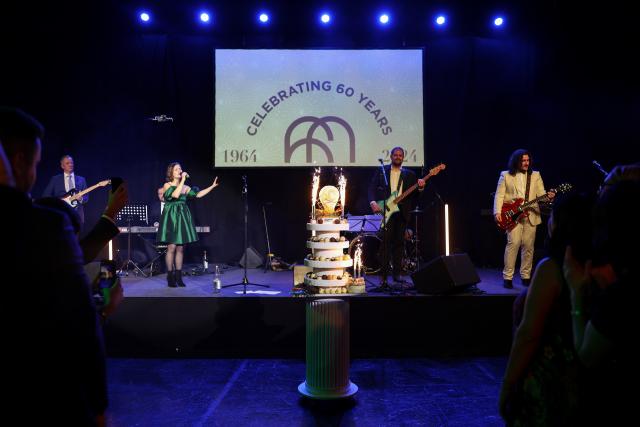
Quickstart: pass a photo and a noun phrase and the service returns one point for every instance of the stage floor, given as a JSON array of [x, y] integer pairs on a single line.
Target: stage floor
[[280, 284]]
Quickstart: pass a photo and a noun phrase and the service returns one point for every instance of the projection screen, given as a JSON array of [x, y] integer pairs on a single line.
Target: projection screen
[[296, 108]]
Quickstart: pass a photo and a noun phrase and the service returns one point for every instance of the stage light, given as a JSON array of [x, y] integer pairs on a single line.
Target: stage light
[[325, 18], [446, 229], [145, 17], [204, 17], [441, 20], [384, 19], [498, 21], [263, 18]]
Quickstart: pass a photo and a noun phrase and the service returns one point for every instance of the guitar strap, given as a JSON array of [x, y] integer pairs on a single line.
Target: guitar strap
[[526, 191]]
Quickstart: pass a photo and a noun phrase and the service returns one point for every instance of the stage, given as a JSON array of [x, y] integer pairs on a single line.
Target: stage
[[157, 321]]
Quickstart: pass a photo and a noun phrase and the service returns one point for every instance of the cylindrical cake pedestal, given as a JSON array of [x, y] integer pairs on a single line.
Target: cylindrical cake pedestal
[[327, 350]]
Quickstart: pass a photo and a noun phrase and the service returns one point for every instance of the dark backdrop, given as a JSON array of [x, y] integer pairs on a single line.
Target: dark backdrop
[[558, 81]]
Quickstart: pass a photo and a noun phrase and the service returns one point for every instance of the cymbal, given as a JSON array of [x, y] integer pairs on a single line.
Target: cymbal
[[416, 211]]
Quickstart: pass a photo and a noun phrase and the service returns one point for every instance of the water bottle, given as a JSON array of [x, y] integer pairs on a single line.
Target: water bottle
[[205, 263], [217, 283]]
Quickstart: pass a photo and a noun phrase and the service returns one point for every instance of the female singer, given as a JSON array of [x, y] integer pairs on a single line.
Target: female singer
[[176, 226]]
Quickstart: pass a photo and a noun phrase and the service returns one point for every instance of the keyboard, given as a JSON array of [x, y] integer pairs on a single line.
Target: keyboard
[[203, 229]]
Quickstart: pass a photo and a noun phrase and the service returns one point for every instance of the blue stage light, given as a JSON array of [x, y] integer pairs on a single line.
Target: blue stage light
[[498, 21], [441, 20], [384, 19], [325, 18], [263, 17], [204, 17], [145, 17]]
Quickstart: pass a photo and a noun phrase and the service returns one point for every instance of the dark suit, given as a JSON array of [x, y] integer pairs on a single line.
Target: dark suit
[[54, 349], [56, 188], [397, 224]]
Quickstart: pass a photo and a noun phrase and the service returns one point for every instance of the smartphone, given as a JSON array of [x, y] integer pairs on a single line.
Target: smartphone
[[106, 280], [116, 181]]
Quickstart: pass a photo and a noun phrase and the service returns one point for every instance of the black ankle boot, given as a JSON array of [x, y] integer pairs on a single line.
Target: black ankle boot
[[171, 279], [179, 281]]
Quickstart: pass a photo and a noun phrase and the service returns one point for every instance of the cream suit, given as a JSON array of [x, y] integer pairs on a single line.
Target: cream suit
[[523, 236]]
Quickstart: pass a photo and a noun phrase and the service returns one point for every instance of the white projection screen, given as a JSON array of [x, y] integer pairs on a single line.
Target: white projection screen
[[297, 108]]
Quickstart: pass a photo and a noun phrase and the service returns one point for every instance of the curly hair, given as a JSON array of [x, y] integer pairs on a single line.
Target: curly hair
[[514, 161]]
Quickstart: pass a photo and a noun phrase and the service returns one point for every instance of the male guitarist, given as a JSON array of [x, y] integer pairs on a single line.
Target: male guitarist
[[61, 184], [399, 178], [519, 182]]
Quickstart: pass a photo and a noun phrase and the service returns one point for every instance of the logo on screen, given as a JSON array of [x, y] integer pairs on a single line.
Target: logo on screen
[[310, 140]]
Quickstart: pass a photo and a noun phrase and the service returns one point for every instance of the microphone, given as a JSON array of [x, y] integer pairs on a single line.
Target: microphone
[[185, 174], [381, 161], [600, 168]]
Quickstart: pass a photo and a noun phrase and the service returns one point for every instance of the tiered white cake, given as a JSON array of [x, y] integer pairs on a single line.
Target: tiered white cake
[[328, 258]]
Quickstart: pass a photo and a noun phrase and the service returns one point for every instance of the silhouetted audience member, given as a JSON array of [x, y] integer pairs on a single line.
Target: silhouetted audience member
[[6, 176], [53, 346], [604, 330], [105, 228], [541, 383], [621, 173]]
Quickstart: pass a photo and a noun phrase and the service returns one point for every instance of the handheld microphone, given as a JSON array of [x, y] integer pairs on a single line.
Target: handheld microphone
[[186, 175], [381, 161]]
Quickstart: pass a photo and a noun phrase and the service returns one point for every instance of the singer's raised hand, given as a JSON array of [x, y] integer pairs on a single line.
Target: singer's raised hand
[[184, 175], [206, 191]]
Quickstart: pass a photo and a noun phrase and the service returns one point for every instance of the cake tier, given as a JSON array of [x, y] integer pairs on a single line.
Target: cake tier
[[328, 227], [325, 283], [328, 264], [328, 245]]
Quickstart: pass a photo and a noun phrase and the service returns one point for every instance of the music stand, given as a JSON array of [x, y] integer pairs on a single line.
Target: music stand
[[245, 280], [364, 223], [139, 213]]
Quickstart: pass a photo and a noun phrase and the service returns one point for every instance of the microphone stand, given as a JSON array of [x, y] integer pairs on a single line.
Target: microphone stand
[[604, 172], [600, 168], [245, 280], [384, 285]]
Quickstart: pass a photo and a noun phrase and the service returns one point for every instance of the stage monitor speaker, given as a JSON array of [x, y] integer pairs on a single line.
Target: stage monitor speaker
[[254, 259], [445, 275]]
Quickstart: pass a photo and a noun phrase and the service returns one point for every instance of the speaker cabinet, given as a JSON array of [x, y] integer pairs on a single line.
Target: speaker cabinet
[[252, 258], [445, 275]]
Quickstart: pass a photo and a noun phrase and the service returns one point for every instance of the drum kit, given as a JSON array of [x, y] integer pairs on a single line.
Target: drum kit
[[365, 231]]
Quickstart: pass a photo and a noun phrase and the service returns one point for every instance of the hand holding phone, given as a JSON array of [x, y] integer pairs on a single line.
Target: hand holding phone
[[107, 280], [116, 181], [118, 197]]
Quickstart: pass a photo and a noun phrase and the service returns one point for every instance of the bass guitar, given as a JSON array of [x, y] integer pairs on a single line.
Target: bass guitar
[[515, 211], [73, 196], [394, 199]]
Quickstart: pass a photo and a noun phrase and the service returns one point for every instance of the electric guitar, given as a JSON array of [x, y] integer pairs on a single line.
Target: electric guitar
[[73, 196], [512, 212], [394, 199]]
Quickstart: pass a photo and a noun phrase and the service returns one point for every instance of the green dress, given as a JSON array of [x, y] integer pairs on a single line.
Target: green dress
[[176, 225]]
